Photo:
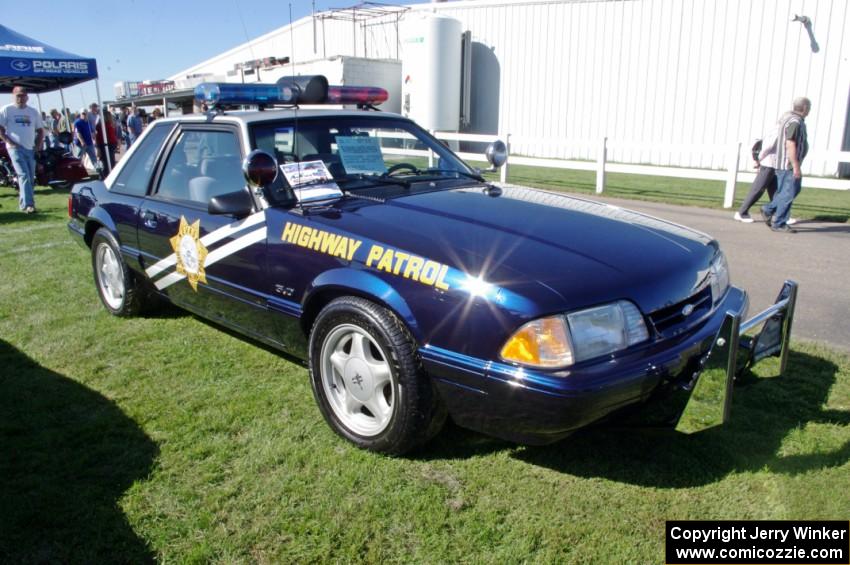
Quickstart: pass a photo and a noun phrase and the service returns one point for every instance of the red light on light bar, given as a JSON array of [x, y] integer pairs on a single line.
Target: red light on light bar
[[356, 95]]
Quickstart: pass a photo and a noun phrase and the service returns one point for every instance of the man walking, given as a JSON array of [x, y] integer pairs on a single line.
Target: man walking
[[791, 147], [22, 130], [84, 139]]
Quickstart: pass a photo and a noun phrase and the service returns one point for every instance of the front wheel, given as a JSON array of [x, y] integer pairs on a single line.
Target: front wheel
[[367, 379]]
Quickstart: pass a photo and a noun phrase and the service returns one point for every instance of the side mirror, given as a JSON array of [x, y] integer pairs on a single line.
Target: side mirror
[[497, 154], [238, 204], [260, 169]]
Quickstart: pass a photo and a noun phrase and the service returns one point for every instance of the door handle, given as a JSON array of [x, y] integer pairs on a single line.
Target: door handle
[[149, 219]]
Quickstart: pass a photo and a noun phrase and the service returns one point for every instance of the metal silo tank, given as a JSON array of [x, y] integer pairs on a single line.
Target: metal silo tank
[[431, 71]]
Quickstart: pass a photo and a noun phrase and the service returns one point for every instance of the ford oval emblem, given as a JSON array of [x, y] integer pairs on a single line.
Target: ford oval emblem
[[688, 310]]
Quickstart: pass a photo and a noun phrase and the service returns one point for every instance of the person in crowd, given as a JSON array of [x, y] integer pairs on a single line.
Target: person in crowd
[[134, 126], [125, 114], [792, 145], [64, 124], [83, 137], [116, 123], [47, 124], [106, 147], [53, 128], [764, 155], [93, 116], [157, 113], [22, 130]]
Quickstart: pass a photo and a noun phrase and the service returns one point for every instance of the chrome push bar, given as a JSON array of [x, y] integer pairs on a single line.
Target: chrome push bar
[[733, 351]]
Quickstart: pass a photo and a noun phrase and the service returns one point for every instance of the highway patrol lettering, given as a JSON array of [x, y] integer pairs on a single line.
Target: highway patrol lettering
[[409, 266], [322, 241], [385, 259]]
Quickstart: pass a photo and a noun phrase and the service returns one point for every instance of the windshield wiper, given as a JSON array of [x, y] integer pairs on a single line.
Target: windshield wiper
[[374, 179], [454, 171]]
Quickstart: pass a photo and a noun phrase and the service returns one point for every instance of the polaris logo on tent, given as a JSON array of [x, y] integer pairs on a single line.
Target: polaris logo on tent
[[20, 65], [74, 67]]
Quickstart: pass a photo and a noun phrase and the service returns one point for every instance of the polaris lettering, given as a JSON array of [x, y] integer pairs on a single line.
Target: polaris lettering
[[77, 67]]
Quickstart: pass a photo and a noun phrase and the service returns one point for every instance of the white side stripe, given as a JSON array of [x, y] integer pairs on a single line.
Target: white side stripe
[[218, 255], [207, 240]]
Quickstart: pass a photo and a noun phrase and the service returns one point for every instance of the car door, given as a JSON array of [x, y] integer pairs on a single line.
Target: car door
[[213, 265], [130, 187]]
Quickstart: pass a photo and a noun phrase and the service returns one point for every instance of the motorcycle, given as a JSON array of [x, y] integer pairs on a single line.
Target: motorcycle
[[54, 167]]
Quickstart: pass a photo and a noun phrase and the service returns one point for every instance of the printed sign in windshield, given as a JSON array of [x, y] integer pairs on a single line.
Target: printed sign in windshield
[[361, 155]]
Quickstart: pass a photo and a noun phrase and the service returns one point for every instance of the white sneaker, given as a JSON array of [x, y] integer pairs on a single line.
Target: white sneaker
[[791, 221], [745, 218]]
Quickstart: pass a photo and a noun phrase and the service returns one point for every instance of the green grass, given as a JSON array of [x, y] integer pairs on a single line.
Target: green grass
[[166, 438], [812, 203]]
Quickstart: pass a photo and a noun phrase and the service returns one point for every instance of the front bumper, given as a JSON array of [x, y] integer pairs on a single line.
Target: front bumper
[[684, 382]]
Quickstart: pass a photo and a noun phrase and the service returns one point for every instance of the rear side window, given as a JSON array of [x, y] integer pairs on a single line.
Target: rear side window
[[203, 164], [136, 175]]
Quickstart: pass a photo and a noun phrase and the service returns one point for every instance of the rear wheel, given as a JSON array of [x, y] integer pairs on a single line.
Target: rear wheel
[[367, 378], [117, 286]]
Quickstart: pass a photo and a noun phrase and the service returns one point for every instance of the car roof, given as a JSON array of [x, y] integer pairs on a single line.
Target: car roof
[[255, 116]]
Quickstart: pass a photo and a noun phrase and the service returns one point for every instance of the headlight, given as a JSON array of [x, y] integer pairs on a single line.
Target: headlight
[[719, 277], [559, 341]]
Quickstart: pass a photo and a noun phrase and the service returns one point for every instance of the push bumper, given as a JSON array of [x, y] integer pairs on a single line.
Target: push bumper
[[706, 399], [686, 383]]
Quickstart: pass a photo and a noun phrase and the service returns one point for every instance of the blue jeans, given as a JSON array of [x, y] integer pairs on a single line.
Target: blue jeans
[[787, 189], [23, 160], [89, 150]]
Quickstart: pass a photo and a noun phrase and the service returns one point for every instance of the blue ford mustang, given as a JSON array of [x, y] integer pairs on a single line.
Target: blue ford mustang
[[415, 289]]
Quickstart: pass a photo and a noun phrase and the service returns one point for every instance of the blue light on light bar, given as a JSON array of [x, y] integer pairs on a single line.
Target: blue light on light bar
[[224, 93]]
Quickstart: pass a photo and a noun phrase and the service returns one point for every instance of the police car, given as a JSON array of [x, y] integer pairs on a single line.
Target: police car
[[414, 289]]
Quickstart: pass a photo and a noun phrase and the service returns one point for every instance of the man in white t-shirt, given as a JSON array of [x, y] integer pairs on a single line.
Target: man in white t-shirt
[[22, 130]]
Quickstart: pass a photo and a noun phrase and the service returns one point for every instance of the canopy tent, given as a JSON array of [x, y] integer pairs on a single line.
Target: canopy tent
[[39, 67]]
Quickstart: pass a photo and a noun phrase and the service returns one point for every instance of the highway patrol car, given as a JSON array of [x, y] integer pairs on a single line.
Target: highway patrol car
[[414, 289]]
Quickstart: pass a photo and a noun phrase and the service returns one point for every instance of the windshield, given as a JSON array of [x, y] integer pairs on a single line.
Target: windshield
[[361, 151]]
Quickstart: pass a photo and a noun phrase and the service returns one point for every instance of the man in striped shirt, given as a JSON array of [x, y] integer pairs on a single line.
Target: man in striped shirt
[[791, 148]]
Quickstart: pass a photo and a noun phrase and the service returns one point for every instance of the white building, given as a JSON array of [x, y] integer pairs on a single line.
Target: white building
[[668, 82]]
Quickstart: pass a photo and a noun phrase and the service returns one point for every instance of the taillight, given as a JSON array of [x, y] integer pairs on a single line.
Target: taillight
[[70, 205]]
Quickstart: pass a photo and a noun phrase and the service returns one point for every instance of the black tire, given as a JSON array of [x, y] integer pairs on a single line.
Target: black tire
[[118, 287], [414, 412]]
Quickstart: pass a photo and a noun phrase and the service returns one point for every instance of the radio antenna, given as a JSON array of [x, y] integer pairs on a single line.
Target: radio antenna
[[295, 109]]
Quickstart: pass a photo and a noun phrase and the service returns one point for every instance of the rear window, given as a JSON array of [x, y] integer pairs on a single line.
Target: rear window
[[136, 174]]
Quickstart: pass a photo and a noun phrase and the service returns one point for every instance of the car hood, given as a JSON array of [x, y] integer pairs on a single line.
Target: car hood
[[559, 251]]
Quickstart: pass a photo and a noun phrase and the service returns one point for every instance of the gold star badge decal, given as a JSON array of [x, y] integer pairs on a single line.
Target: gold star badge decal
[[190, 252]]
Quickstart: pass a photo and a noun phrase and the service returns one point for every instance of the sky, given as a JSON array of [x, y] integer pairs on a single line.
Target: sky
[[148, 39]]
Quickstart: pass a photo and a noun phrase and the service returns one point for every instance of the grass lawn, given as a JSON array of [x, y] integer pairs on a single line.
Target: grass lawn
[[812, 203], [166, 438]]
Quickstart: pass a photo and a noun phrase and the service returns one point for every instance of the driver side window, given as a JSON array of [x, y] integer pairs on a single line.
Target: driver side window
[[202, 164]]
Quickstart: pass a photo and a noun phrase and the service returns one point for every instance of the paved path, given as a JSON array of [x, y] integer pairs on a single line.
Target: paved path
[[817, 257]]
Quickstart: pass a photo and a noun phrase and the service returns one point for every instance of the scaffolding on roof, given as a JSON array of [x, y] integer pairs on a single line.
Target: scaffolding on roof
[[363, 15]]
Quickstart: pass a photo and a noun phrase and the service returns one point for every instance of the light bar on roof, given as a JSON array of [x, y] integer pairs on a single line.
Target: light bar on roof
[[288, 91], [225, 93], [361, 95]]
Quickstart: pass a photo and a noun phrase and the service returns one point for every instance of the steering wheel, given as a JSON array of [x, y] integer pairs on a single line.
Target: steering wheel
[[400, 167], [286, 157]]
